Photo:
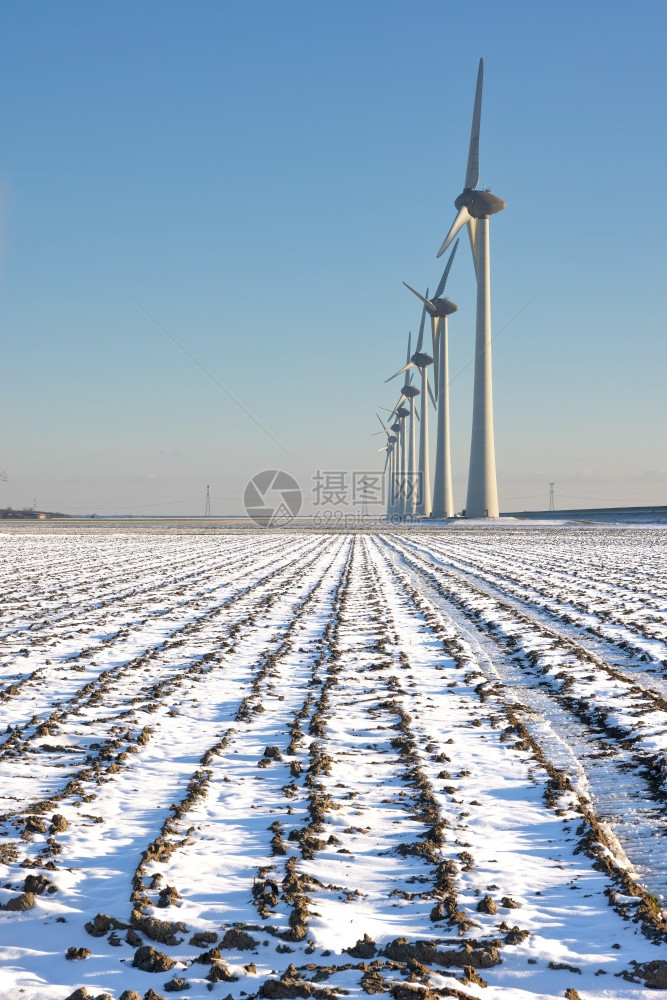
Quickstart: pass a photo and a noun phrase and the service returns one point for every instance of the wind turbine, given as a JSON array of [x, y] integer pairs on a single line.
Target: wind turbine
[[410, 392], [390, 448], [399, 473], [439, 309], [475, 208], [402, 465], [421, 361]]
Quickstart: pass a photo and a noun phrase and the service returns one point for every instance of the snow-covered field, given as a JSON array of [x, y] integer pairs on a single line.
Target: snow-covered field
[[291, 764]]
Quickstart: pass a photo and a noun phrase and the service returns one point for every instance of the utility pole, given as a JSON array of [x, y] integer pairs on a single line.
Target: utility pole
[[552, 505], [207, 512]]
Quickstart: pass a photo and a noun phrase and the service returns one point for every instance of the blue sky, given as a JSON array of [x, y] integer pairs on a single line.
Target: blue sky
[[261, 177]]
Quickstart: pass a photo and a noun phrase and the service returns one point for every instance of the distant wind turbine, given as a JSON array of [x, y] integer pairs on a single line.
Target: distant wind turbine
[[439, 309], [410, 392], [474, 210], [402, 470], [420, 360], [390, 448]]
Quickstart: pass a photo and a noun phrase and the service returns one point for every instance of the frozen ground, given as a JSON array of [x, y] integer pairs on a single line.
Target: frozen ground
[[418, 762]]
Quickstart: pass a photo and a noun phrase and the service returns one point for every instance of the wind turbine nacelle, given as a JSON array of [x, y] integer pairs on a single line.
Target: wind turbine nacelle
[[444, 307], [410, 391], [391, 439], [402, 413], [395, 427], [421, 360], [480, 204]]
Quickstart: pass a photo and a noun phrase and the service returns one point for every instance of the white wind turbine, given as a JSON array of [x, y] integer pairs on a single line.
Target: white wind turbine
[[400, 458], [401, 473], [421, 361], [439, 309], [409, 496], [391, 449], [474, 210], [410, 392]]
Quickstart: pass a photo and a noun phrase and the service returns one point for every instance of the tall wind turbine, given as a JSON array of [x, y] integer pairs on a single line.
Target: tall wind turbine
[[400, 457], [402, 471], [421, 361], [439, 309], [390, 448], [410, 392], [475, 208]]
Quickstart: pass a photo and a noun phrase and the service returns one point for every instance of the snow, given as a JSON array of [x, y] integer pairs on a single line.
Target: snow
[[319, 736]]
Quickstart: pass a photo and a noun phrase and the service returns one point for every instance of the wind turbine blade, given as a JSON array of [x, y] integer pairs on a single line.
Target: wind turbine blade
[[386, 461], [472, 233], [409, 354], [445, 274], [416, 413], [419, 296], [383, 449], [459, 222], [428, 386], [472, 171], [421, 326], [400, 371]]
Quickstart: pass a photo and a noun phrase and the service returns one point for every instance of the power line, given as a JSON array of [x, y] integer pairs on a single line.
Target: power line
[[212, 378]]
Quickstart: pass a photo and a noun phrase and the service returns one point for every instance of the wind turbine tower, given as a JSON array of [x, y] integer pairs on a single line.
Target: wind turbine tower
[[401, 414], [475, 209], [410, 392], [390, 461], [439, 309], [419, 360]]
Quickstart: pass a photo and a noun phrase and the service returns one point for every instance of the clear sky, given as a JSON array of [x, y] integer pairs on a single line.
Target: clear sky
[[261, 176]]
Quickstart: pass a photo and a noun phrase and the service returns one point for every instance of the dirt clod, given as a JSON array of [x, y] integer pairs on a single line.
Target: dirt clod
[[481, 957], [149, 959], [400, 991], [516, 936], [38, 884], [219, 973], [364, 948], [162, 931], [238, 940], [17, 904], [653, 973], [472, 976], [201, 939], [372, 982], [564, 967], [487, 905], [76, 954], [102, 923]]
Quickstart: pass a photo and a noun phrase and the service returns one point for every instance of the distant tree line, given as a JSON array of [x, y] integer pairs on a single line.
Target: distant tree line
[[27, 514]]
